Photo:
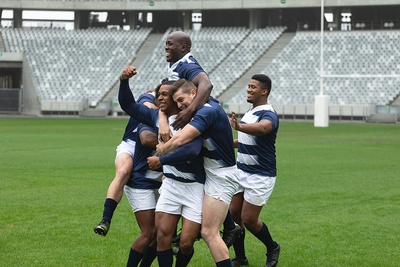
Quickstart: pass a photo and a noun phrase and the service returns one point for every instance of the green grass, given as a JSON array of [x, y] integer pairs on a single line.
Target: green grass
[[336, 201]]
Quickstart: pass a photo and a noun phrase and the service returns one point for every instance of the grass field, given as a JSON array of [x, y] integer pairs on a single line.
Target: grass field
[[336, 201]]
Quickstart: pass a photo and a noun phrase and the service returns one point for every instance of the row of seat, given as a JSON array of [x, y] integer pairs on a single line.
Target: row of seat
[[363, 68], [85, 64], [93, 60]]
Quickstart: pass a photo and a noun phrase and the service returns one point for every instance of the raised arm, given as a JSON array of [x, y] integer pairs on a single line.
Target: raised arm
[[127, 101], [125, 97], [258, 128]]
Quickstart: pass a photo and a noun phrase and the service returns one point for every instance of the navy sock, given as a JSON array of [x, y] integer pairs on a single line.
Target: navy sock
[[148, 257], [229, 224], [183, 260], [134, 258], [109, 206], [165, 258], [238, 246], [224, 263], [265, 237]]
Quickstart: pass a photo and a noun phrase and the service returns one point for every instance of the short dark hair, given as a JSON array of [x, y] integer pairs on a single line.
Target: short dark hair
[[184, 84], [163, 82], [264, 80]]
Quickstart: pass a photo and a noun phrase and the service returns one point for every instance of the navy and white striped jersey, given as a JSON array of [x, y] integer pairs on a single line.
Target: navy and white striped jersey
[[186, 68], [213, 124], [142, 176], [192, 169], [187, 159], [256, 154], [131, 128]]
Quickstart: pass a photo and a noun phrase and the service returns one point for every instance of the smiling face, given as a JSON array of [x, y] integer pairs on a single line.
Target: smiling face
[[256, 93], [176, 46], [165, 101], [184, 99]]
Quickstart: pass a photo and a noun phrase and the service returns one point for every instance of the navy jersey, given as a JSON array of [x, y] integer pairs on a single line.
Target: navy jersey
[[213, 124], [186, 159], [186, 68], [131, 128], [256, 154], [142, 176], [186, 163]]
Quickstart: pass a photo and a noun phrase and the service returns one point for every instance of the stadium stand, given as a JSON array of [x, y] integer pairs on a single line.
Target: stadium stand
[[210, 46], [361, 68], [74, 65], [226, 53], [243, 57]]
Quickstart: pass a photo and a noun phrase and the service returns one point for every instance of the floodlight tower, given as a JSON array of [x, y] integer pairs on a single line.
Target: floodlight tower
[[321, 105]]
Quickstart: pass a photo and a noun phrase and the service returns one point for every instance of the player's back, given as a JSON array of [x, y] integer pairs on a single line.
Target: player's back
[[218, 149]]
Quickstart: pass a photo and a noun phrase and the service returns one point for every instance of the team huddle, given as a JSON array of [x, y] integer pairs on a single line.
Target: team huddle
[[177, 162]]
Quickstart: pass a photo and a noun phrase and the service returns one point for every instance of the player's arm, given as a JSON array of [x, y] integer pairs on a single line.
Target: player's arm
[[187, 134], [128, 103], [204, 88], [150, 105], [125, 97], [258, 128], [183, 154], [164, 132], [235, 143], [148, 138]]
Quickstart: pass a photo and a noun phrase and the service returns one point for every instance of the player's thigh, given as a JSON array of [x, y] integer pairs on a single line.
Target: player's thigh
[[166, 223], [189, 232], [145, 220], [214, 214]]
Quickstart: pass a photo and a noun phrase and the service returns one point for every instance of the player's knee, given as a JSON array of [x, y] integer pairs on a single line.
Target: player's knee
[[122, 175], [149, 234], [207, 234], [250, 223], [186, 247], [163, 238]]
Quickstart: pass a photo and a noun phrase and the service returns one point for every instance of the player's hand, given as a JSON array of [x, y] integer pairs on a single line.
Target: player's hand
[[154, 162], [234, 121], [128, 72], [183, 117], [164, 133], [160, 148]]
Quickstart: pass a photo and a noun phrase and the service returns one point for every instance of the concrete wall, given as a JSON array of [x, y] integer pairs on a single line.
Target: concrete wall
[[182, 5]]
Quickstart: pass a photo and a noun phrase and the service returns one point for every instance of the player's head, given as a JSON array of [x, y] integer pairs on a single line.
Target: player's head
[[177, 45], [183, 92], [258, 88], [164, 99]]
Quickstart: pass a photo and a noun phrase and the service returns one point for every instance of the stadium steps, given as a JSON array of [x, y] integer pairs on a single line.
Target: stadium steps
[[147, 48], [396, 101], [2, 48], [258, 67]]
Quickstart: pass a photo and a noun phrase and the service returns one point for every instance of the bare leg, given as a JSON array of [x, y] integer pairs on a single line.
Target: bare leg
[[214, 213], [123, 170]]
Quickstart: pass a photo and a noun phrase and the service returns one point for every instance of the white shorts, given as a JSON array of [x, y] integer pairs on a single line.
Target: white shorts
[[221, 183], [181, 198], [257, 188], [126, 147], [141, 199]]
